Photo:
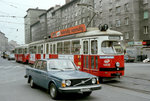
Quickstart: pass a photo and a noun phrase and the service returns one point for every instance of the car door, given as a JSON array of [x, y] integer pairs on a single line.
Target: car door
[[43, 76], [37, 73]]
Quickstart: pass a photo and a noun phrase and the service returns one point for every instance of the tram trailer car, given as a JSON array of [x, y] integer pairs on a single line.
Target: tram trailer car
[[96, 51], [22, 54]]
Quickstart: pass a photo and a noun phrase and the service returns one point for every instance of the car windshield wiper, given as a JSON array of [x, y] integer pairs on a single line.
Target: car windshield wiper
[[68, 68], [56, 69]]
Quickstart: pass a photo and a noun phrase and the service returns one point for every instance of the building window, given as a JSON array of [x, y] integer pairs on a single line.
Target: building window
[[110, 11], [126, 35], [110, 1], [110, 24], [145, 14], [83, 20], [126, 7], [100, 3], [118, 9], [80, 21], [76, 23], [76, 13], [126, 21], [145, 29], [88, 19], [118, 23], [100, 14], [145, 1]]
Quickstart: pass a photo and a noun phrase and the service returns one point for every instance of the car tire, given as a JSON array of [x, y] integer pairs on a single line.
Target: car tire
[[32, 85], [53, 91], [87, 93]]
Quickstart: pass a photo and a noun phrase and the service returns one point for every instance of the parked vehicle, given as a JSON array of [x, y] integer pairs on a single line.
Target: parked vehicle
[[61, 76], [11, 57], [129, 58], [4, 55]]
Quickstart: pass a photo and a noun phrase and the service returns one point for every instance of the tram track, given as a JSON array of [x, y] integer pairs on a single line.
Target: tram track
[[131, 83], [133, 89], [137, 78]]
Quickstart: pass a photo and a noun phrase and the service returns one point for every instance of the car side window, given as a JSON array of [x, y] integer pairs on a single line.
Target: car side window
[[38, 65], [34, 66], [44, 66]]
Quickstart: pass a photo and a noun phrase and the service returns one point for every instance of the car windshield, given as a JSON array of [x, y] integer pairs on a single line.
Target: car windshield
[[112, 47], [61, 65]]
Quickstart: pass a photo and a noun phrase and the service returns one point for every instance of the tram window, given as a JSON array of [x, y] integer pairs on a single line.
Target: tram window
[[67, 47], [85, 47], [47, 48], [75, 49], [39, 49], [15, 51], [34, 50], [54, 48], [112, 47], [51, 48], [25, 50], [20, 51], [59, 48], [94, 47], [30, 50]]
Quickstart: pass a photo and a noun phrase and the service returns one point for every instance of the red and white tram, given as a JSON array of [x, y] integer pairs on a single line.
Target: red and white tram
[[22, 54], [98, 52]]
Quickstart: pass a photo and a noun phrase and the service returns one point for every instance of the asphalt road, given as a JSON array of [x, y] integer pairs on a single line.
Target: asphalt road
[[134, 86]]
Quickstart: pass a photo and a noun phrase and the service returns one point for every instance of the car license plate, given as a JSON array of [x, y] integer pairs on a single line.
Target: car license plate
[[85, 89]]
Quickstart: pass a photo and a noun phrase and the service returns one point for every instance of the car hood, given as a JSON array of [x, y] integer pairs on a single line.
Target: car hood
[[74, 74]]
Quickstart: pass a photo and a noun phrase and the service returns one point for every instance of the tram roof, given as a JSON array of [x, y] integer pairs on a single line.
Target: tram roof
[[90, 32], [22, 46], [97, 32]]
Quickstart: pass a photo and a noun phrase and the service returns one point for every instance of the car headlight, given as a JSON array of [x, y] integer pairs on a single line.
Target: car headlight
[[68, 83], [117, 64], [94, 80]]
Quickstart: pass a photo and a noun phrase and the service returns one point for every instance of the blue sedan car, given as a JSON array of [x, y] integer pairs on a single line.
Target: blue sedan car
[[61, 76]]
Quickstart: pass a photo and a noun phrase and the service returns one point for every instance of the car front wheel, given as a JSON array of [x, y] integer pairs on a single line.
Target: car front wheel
[[32, 85], [53, 91]]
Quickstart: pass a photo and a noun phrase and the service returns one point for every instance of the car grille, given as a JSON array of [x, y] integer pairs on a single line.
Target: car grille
[[81, 82]]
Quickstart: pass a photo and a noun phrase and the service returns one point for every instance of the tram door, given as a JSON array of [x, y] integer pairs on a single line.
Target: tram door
[[90, 58]]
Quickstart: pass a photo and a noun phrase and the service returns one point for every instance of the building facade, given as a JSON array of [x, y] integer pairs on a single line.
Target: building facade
[[3, 42], [31, 18], [12, 44]]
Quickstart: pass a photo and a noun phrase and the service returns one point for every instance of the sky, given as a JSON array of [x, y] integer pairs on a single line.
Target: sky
[[12, 14]]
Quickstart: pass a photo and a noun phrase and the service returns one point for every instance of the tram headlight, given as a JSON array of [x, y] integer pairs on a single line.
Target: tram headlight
[[68, 83], [117, 64]]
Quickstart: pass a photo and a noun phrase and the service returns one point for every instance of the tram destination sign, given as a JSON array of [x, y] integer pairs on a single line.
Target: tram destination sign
[[114, 38], [72, 30]]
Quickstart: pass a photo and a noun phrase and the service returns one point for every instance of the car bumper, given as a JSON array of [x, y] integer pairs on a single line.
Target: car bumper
[[80, 89]]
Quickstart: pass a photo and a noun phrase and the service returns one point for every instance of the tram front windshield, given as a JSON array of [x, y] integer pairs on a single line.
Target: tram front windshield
[[112, 47]]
